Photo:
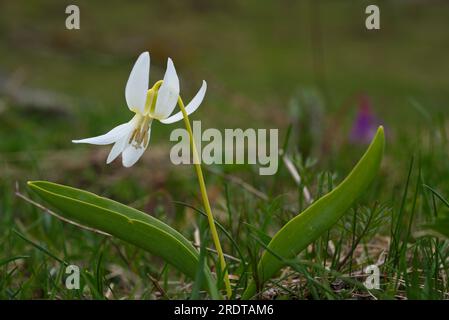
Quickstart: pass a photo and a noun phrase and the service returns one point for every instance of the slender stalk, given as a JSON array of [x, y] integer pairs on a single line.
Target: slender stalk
[[205, 199]]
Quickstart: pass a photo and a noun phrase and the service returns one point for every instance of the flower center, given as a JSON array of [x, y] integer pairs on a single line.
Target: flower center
[[139, 137]]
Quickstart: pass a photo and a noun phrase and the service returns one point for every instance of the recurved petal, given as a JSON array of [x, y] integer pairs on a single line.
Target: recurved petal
[[137, 85], [191, 107], [168, 93], [110, 137], [131, 154]]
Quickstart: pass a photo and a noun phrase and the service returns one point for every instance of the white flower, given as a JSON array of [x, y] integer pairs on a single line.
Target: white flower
[[131, 139]]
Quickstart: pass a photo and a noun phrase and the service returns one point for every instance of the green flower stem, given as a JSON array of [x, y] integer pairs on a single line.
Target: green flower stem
[[205, 198]]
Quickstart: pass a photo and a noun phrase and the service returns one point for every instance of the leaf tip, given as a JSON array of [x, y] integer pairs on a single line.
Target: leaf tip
[[380, 130], [33, 184], [380, 135]]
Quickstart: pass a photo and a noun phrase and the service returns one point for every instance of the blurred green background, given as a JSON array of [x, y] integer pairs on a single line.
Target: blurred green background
[[268, 64], [254, 55]]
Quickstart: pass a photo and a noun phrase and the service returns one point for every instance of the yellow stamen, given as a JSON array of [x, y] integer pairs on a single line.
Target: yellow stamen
[[139, 138], [132, 136], [145, 138]]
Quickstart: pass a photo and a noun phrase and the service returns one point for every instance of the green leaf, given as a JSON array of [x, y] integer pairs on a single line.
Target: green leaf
[[306, 227], [125, 223]]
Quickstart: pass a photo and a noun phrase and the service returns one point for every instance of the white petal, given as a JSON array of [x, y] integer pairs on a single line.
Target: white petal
[[191, 107], [168, 93], [118, 147], [131, 154], [110, 137], [137, 85]]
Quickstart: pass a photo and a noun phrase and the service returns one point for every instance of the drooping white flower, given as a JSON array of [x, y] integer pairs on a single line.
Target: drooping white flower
[[131, 139]]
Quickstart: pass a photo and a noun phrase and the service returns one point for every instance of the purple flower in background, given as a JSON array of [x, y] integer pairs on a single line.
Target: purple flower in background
[[365, 124]]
